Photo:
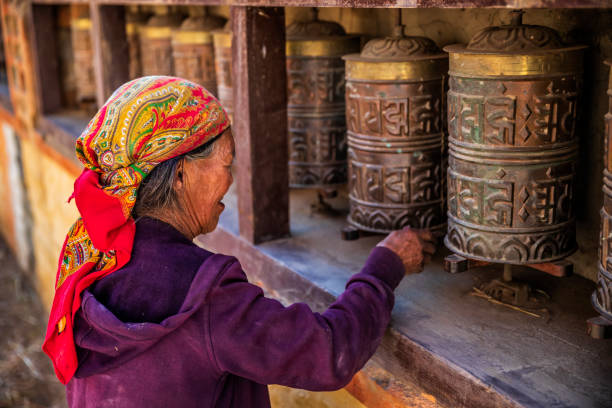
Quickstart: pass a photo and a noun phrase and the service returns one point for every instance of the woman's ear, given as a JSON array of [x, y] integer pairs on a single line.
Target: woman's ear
[[179, 175]]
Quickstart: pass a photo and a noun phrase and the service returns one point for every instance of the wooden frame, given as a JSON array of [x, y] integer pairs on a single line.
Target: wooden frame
[[263, 196], [360, 3]]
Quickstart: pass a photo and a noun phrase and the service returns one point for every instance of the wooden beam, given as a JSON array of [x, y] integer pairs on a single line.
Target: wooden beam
[[110, 49], [260, 122], [527, 4]]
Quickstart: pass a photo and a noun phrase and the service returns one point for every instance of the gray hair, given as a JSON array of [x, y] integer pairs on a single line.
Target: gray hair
[[157, 191]]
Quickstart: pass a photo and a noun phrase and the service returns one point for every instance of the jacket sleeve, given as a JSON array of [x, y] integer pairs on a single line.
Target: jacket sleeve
[[258, 338]]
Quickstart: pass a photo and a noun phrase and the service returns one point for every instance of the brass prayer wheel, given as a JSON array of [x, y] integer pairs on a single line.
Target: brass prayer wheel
[[83, 56], [192, 48], [222, 40], [316, 106], [394, 112], [602, 297], [135, 21], [512, 145], [156, 42]]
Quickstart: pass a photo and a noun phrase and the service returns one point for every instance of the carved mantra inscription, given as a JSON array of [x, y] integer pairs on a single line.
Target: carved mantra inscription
[[316, 120], [602, 297], [223, 71], [317, 150], [493, 203], [196, 62], [395, 155], [512, 168], [512, 113]]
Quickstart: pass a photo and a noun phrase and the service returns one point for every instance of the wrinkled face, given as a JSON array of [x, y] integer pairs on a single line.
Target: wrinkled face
[[205, 182]]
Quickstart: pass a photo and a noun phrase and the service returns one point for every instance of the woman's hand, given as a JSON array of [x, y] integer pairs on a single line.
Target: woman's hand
[[414, 247]]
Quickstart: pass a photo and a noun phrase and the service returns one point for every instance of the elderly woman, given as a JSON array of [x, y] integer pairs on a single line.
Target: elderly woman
[[142, 317]]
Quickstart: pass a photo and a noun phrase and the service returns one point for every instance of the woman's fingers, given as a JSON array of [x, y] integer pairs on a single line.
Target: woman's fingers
[[432, 241]]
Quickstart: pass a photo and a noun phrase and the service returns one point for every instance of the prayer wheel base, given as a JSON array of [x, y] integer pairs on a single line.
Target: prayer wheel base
[[350, 233], [455, 263], [514, 293], [599, 328], [505, 290], [321, 206]]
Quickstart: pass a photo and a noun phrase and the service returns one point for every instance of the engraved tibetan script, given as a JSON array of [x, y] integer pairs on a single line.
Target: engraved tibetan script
[[395, 117]]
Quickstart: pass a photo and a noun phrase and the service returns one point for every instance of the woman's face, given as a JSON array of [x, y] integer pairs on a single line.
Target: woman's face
[[205, 182]]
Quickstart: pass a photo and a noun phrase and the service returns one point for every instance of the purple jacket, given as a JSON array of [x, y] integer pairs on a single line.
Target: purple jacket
[[179, 326]]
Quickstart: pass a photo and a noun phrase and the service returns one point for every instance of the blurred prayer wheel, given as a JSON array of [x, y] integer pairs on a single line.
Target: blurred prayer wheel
[[83, 56], [135, 21], [156, 42], [223, 66], [394, 110], [192, 48], [512, 145], [602, 297], [316, 106]]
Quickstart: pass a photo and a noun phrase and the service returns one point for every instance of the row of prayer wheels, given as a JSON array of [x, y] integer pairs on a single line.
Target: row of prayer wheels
[[197, 48], [379, 118], [161, 44], [507, 101], [510, 114]]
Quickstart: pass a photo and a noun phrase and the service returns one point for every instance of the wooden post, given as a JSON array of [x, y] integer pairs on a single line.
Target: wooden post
[[260, 122], [110, 49], [46, 58]]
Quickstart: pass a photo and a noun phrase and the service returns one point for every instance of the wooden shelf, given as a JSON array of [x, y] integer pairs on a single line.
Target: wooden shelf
[[460, 348], [361, 3]]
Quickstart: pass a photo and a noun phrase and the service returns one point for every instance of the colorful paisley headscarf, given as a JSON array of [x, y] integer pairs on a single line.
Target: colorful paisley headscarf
[[145, 122]]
